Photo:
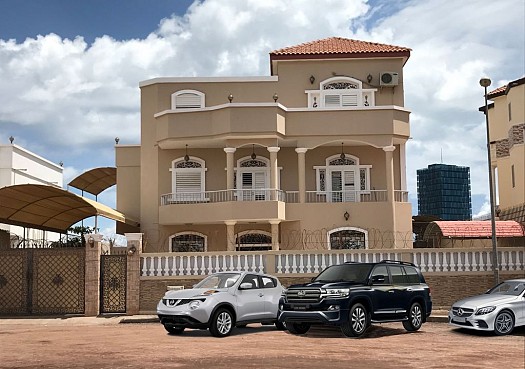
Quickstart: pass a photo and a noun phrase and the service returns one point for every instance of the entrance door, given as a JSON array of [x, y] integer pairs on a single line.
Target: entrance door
[[343, 186], [113, 283]]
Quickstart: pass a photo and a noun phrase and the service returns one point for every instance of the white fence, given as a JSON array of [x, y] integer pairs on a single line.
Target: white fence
[[286, 262]]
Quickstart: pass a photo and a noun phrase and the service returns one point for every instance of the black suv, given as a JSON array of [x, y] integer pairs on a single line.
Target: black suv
[[354, 295]]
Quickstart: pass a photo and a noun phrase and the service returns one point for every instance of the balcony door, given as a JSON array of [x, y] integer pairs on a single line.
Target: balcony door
[[343, 186], [253, 179]]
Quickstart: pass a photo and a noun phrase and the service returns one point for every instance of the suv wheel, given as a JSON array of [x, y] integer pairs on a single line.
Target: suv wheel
[[221, 323], [172, 329], [504, 323], [415, 318], [298, 328], [280, 326], [357, 323]]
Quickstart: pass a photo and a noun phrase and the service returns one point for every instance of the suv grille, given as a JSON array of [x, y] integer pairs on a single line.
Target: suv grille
[[462, 312], [307, 295]]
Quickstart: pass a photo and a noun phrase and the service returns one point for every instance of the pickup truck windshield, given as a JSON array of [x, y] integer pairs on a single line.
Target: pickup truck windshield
[[356, 273]]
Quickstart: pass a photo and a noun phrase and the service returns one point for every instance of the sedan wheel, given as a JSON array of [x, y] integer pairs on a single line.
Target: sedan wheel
[[222, 323], [415, 318], [504, 323]]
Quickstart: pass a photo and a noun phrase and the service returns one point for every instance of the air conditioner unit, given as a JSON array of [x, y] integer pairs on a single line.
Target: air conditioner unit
[[388, 79]]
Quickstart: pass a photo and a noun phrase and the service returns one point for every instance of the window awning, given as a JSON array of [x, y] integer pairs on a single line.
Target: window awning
[[50, 208]]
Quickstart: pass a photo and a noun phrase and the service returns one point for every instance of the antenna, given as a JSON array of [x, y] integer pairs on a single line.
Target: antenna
[[441, 155]]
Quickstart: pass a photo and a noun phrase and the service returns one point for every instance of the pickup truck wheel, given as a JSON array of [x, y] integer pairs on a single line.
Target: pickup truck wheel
[[298, 328], [358, 321], [173, 330], [221, 323], [415, 318]]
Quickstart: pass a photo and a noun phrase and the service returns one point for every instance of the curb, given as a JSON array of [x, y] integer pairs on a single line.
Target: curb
[[135, 319]]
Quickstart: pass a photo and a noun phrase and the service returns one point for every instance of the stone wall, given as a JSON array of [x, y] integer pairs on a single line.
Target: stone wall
[[446, 288]]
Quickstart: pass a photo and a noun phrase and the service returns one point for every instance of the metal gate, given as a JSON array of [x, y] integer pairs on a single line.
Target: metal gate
[[113, 283], [42, 281]]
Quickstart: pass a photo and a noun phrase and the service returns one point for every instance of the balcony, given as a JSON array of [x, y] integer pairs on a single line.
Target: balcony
[[367, 124], [279, 195]]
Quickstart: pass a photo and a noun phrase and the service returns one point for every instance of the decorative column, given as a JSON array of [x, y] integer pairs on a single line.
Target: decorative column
[[134, 248], [92, 274], [229, 167], [275, 234], [389, 166], [301, 153], [273, 171], [230, 234]]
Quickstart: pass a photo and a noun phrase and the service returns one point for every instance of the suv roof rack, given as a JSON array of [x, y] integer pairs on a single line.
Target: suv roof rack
[[387, 261]]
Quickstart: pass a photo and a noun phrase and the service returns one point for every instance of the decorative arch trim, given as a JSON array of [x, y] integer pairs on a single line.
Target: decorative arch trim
[[341, 83]]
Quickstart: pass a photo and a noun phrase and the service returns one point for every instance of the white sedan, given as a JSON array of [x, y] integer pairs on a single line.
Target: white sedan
[[499, 310]]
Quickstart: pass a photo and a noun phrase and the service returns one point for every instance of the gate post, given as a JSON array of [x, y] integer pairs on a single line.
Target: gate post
[[134, 249], [92, 275]]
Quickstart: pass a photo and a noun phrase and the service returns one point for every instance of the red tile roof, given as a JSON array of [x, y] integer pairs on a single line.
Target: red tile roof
[[340, 46], [478, 229], [503, 90], [497, 92]]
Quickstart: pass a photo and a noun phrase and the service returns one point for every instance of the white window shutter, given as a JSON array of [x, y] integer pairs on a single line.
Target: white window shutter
[[349, 100], [332, 100], [188, 182], [188, 101]]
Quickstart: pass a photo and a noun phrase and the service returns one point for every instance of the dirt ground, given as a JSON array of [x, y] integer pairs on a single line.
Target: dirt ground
[[104, 343]]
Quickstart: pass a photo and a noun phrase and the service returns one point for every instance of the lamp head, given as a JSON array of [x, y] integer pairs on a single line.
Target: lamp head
[[485, 82]]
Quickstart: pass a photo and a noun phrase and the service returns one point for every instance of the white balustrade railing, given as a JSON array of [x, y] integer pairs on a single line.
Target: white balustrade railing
[[313, 262], [188, 264]]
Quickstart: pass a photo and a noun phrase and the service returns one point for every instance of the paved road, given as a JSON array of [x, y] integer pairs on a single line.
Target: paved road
[[104, 343]]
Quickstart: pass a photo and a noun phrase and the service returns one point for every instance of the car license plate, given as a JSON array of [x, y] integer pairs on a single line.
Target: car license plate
[[459, 320], [300, 307]]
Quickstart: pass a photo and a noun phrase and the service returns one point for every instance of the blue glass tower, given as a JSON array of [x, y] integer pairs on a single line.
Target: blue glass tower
[[444, 191]]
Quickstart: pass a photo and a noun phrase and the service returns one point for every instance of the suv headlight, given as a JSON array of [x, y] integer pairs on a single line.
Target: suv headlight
[[485, 310], [194, 304], [335, 292]]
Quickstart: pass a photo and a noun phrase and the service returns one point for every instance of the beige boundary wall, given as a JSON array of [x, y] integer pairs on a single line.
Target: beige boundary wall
[[451, 273]]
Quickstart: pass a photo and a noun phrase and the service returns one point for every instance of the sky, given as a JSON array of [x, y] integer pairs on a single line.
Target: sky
[[70, 70]]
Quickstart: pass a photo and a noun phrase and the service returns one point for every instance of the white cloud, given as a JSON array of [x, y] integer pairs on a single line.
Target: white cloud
[[70, 99]]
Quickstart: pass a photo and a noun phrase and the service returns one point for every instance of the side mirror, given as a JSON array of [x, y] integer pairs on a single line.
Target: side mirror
[[378, 279], [246, 286]]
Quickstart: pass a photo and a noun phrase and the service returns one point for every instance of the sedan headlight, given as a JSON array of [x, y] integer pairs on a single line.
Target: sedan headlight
[[335, 292], [485, 310], [194, 304]]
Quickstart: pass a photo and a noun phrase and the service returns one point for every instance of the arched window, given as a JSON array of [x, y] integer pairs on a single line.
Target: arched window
[[347, 238], [187, 99], [253, 240], [188, 179], [341, 92], [188, 242]]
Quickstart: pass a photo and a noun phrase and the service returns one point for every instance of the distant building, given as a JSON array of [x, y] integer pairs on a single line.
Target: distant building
[[507, 128], [21, 166], [443, 191]]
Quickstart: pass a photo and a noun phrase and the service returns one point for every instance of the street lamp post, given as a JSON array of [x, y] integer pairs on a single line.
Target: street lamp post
[[485, 82]]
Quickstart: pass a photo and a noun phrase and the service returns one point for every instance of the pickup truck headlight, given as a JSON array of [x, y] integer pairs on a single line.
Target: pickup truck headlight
[[485, 310], [335, 292]]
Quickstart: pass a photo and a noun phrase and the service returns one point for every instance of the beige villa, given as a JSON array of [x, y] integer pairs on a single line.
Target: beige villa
[[507, 131], [310, 157]]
